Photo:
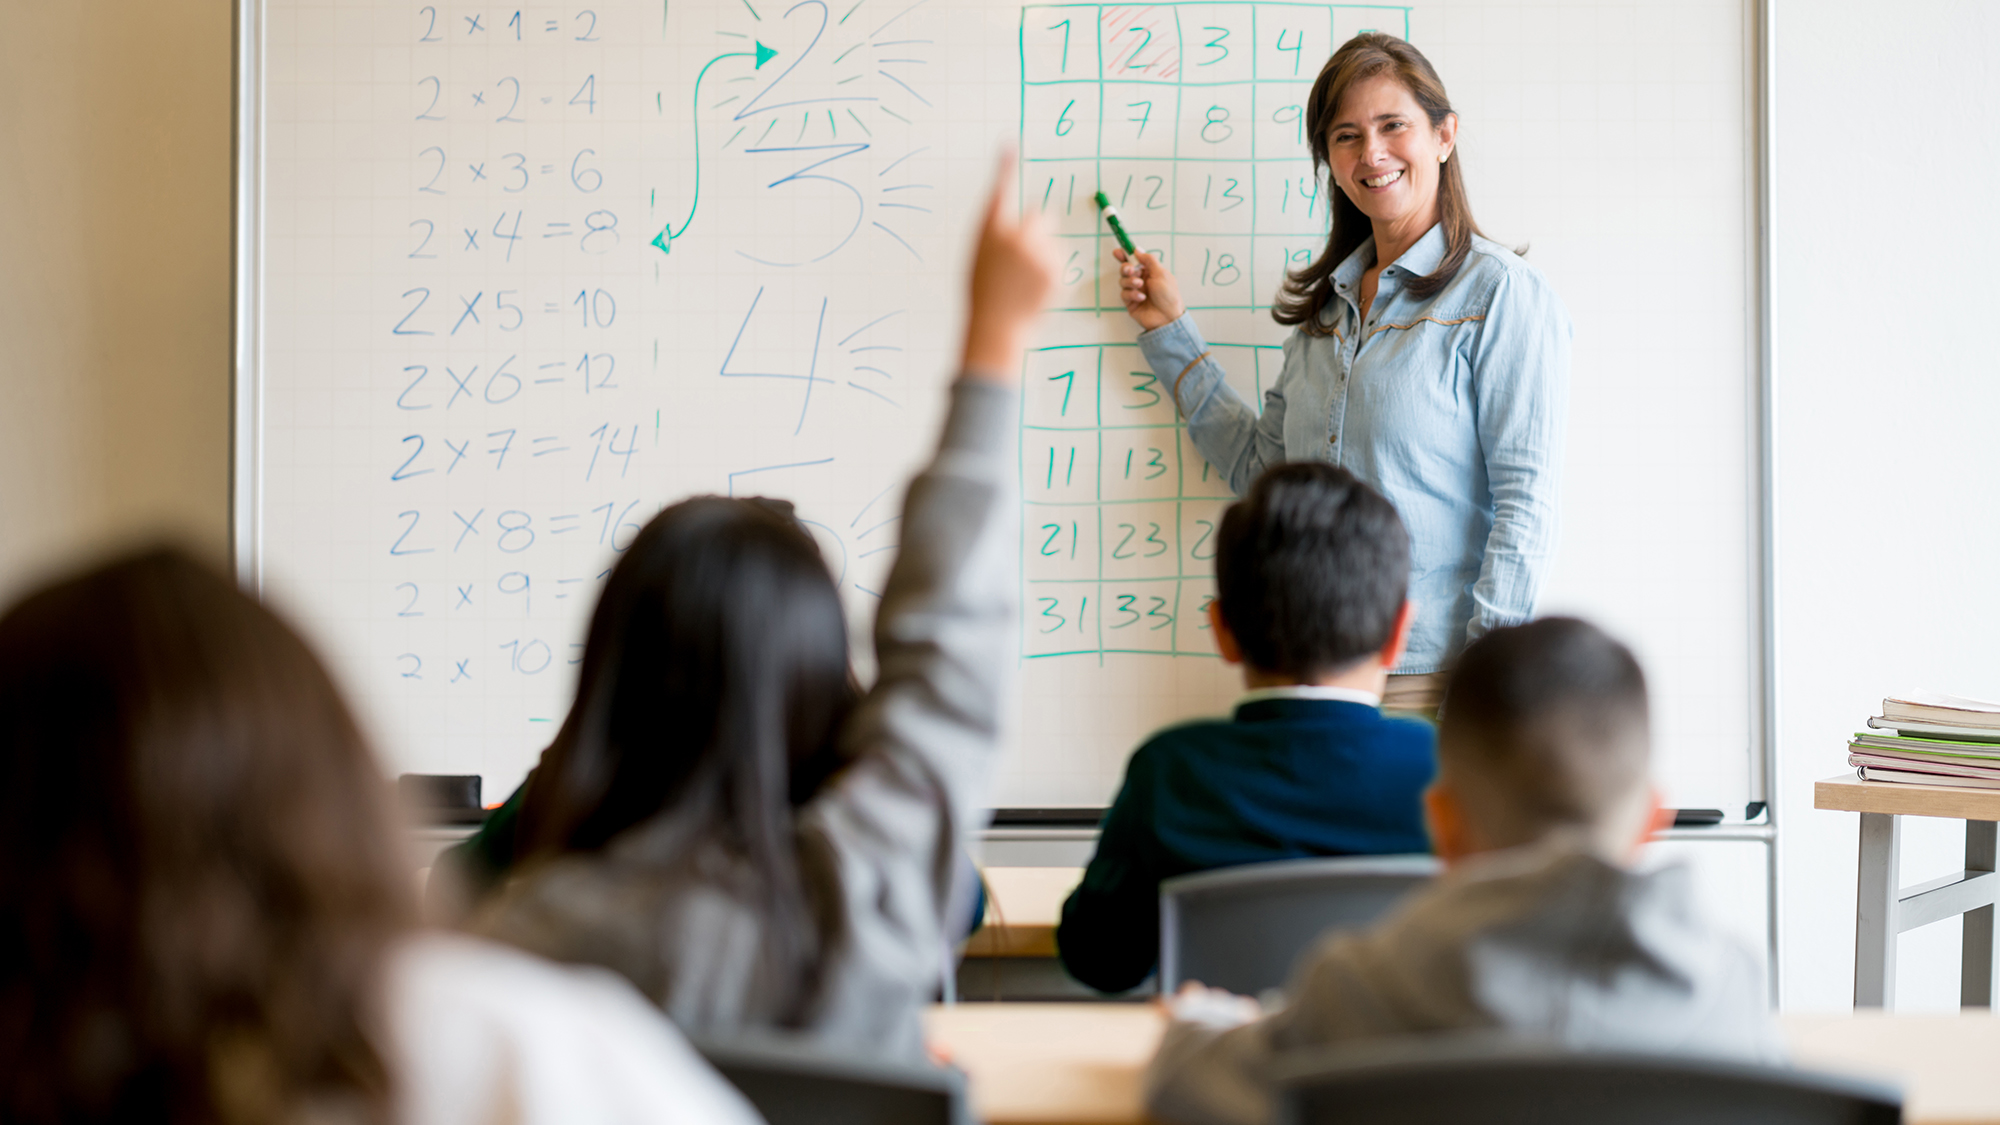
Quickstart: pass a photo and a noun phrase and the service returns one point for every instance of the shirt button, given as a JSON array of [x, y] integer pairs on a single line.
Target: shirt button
[[1335, 440]]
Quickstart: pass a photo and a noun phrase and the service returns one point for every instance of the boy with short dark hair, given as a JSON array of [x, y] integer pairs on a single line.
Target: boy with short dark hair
[[1311, 568], [1539, 929]]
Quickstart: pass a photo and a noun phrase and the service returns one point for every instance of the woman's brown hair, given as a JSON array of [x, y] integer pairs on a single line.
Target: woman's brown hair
[[1308, 290], [199, 874]]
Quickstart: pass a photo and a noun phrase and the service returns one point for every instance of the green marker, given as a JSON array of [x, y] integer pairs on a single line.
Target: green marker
[[1110, 214]]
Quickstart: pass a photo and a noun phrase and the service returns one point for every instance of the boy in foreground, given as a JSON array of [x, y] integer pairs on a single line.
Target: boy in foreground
[[1311, 571], [1539, 929]]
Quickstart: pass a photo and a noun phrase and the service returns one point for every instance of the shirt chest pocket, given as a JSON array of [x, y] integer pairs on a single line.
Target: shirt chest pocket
[[1416, 369]]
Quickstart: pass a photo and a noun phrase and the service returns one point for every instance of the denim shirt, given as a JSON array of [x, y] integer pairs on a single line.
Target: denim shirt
[[1452, 407]]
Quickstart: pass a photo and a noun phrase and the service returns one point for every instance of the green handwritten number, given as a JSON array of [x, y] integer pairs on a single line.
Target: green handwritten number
[[1134, 56], [1217, 129], [1142, 118], [1120, 552], [1153, 537], [1194, 552], [1049, 545], [1296, 48], [1215, 44], [1049, 611], [1166, 619], [1206, 601], [1065, 55], [1072, 273], [1156, 463], [1063, 123], [1125, 603], [1287, 114], [1142, 384], [1309, 191], [1068, 380]]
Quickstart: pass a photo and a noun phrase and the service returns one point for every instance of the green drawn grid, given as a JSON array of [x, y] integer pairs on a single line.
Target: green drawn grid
[[1097, 306], [1097, 427]]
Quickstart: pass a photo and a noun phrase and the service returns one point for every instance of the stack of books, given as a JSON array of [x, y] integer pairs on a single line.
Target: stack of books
[[1931, 739]]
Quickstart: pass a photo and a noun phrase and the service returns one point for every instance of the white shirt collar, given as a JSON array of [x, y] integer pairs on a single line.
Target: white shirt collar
[[1312, 691]]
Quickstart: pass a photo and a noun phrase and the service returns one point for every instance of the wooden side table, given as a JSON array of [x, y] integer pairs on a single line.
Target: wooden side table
[[1884, 909]]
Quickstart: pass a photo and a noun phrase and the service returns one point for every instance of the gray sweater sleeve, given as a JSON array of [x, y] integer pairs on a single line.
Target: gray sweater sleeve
[[924, 738]]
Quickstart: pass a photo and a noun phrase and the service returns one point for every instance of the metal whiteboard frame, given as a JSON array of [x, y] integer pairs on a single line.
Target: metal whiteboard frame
[[246, 402], [246, 460]]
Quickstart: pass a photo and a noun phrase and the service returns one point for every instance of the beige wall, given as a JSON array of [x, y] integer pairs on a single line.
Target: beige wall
[[114, 276]]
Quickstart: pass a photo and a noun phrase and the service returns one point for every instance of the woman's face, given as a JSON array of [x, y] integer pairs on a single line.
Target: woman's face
[[1384, 154]]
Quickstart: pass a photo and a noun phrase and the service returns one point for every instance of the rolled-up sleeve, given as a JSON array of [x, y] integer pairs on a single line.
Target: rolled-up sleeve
[[1227, 430], [1521, 386]]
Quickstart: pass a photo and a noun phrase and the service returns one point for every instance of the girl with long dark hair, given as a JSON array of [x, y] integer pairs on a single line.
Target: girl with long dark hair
[[723, 817]]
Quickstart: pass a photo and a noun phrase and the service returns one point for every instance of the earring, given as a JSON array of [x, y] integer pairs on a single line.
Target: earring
[[1443, 156]]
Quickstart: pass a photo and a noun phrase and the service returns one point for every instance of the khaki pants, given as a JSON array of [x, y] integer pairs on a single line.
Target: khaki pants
[[1415, 695]]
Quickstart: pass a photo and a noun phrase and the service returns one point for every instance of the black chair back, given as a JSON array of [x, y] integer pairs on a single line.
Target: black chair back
[[791, 1082], [1435, 1084], [1241, 928]]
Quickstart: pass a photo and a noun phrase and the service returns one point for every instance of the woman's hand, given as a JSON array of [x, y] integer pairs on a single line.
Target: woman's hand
[[1013, 272], [1151, 294]]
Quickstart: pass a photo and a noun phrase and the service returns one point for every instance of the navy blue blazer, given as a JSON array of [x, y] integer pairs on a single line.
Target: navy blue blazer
[[1287, 778]]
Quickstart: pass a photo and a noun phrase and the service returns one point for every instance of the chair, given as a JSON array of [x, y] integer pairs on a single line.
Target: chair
[[1433, 1083], [1241, 928], [792, 1082]]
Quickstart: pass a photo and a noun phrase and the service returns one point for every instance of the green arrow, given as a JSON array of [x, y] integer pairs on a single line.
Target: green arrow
[[665, 239]]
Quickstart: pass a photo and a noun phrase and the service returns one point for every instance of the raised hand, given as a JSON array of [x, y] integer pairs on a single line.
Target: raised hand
[[1013, 273], [1150, 293]]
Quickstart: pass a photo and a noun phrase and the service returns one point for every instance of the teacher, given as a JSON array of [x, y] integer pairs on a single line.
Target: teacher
[[1424, 358]]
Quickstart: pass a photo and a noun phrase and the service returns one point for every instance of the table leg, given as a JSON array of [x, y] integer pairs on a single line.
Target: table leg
[[1975, 980], [1875, 911]]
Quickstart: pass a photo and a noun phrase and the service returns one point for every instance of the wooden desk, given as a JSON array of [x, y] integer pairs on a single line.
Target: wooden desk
[[1050, 1064], [1884, 908], [1022, 909], [1079, 1064]]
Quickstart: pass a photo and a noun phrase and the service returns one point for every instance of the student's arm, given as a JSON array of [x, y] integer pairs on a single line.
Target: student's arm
[[1209, 1073], [923, 738], [1520, 370], [1232, 436], [1110, 933]]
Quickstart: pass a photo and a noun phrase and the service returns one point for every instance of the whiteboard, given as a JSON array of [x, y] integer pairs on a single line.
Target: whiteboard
[[512, 278]]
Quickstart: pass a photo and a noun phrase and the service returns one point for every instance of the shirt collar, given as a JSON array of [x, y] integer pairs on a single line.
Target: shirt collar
[[1312, 691], [1421, 259]]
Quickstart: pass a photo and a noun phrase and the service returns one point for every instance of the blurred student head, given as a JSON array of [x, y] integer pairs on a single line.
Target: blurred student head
[[1312, 572], [198, 873], [714, 683], [1544, 728]]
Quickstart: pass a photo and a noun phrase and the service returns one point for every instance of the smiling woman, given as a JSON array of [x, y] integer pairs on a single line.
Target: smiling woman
[[1428, 360]]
